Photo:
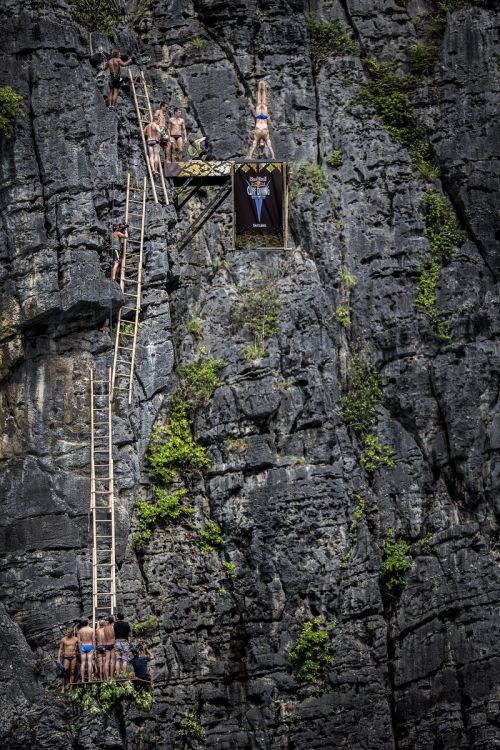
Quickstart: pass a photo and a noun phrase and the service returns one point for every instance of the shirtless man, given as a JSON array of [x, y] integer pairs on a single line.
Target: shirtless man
[[153, 136], [86, 640], [261, 137], [67, 654], [109, 645], [118, 234], [162, 114], [178, 134], [100, 651], [114, 65]]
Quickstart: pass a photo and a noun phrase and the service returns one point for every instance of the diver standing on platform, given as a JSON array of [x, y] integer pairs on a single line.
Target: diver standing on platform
[[261, 137]]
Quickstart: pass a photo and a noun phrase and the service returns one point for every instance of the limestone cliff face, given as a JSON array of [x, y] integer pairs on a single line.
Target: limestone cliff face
[[415, 669]]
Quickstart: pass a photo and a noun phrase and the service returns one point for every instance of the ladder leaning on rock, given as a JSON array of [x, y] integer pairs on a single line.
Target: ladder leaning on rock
[[102, 505], [131, 283], [144, 112]]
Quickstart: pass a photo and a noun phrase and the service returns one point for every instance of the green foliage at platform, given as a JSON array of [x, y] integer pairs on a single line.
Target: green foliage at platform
[[146, 627], [10, 107], [343, 316], [328, 38], [310, 176], [210, 537], [396, 562], [103, 697], [311, 654], [191, 728], [335, 158], [97, 15], [173, 450]]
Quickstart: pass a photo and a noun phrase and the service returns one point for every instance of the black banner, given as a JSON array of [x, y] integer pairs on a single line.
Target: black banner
[[259, 205]]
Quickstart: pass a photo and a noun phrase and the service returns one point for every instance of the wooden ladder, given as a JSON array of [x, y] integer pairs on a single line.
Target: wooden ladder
[[102, 506], [144, 113], [127, 325]]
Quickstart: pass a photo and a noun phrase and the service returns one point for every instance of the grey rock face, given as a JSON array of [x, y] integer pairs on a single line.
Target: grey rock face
[[416, 668]]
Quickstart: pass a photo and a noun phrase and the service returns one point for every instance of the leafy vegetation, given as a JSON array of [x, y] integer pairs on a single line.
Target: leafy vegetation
[[146, 627], [358, 410], [359, 403], [257, 309], [197, 41], [191, 728], [311, 653], [195, 326], [230, 569], [237, 445], [10, 107], [422, 57], [143, 7], [251, 352], [376, 454], [328, 39], [444, 234], [441, 225], [425, 544], [100, 699], [309, 176], [358, 515], [396, 562], [210, 537], [199, 380], [335, 158], [97, 15], [342, 315], [167, 509], [173, 449], [388, 93], [348, 278]]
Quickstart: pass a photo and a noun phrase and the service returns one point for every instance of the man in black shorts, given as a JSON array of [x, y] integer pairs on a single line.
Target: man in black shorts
[[114, 65]]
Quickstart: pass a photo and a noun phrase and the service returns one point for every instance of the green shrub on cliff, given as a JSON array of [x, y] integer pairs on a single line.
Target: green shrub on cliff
[[100, 699], [173, 449], [97, 15], [199, 380], [10, 107], [396, 562], [311, 653], [191, 728], [328, 39], [308, 176]]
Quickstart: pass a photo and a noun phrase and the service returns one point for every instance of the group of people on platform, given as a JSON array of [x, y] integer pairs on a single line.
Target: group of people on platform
[[102, 653], [169, 132]]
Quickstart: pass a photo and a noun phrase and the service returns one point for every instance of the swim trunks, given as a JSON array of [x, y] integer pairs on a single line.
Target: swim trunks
[[87, 648], [115, 82], [101, 649]]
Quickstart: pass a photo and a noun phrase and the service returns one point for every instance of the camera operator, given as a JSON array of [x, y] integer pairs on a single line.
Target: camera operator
[[118, 235]]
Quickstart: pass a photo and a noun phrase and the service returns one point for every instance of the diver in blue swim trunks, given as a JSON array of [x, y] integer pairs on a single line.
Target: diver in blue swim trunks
[[261, 137], [86, 640]]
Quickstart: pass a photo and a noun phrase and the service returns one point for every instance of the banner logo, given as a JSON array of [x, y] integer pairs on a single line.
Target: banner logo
[[258, 190]]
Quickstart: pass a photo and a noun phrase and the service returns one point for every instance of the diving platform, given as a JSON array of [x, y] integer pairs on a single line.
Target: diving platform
[[199, 172]]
